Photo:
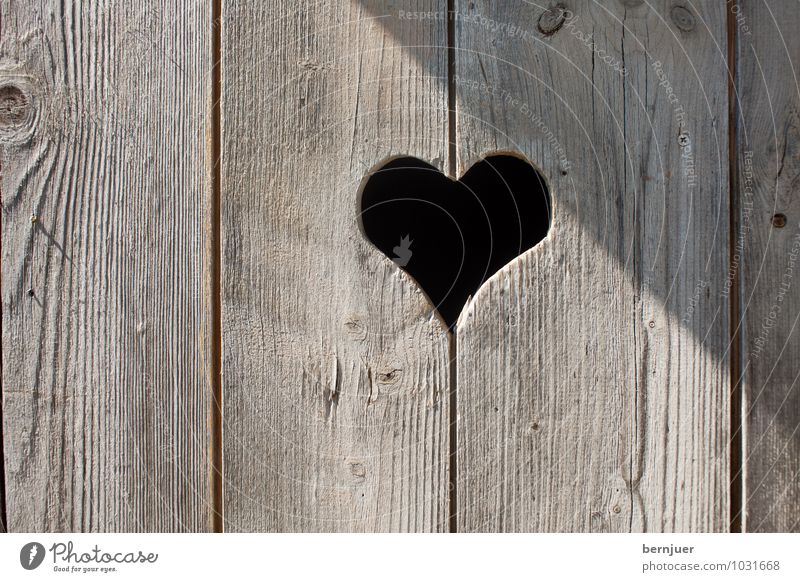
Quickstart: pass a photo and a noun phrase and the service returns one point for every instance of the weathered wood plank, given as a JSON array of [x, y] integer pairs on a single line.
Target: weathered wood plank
[[767, 254], [103, 136], [593, 373], [335, 369]]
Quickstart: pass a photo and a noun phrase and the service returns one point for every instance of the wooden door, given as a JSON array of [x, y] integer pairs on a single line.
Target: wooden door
[[197, 334]]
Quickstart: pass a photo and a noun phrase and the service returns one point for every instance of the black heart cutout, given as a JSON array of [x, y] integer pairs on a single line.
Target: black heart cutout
[[452, 236]]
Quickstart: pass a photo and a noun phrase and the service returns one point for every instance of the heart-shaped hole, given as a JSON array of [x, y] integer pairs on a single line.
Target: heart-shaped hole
[[452, 236]]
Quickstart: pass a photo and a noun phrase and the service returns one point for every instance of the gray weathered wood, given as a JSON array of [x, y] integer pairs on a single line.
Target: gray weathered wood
[[335, 369], [593, 372], [102, 137], [767, 255]]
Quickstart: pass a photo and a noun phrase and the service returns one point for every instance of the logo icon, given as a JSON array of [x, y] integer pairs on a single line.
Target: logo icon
[[31, 555], [403, 251]]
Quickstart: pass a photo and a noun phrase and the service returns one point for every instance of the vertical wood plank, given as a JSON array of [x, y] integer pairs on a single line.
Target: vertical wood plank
[[102, 139], [768, 253], [593, 372], [335, 368]]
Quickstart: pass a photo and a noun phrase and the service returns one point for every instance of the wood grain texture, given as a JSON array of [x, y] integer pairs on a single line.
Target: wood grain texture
[[105, 393], [768, 256], [593, 372], [335, 367]]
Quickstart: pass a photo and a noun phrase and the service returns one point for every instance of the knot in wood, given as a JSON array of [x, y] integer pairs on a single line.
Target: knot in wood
[[552, 19], [683, 18], [355, 328], [18, 109], [389, 375], [15, 107]]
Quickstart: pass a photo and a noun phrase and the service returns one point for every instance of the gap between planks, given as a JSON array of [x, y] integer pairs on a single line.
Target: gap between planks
[[453, 169], [3, 511], [736, 443], [216, 468]]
